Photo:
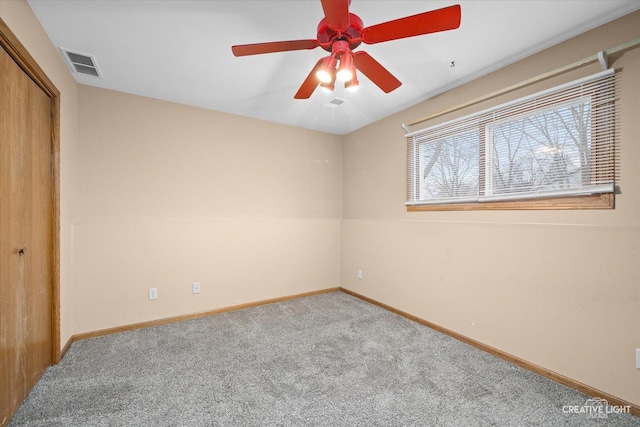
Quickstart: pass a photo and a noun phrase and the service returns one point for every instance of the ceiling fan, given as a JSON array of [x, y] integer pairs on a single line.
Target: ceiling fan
[[340, 32]]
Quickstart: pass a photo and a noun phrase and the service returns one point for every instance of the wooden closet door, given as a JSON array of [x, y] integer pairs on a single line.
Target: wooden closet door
[[26, 235]]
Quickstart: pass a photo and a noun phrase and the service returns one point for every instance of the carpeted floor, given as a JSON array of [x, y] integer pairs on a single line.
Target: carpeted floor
[[325, 360]]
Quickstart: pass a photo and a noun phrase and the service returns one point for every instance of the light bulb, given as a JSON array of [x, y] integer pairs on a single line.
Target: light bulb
[[327, 87], [327, 70], [352, 85], [324, 76], [345, 71], [344, 75]]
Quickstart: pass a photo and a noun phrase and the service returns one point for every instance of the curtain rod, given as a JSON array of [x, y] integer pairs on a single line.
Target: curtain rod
[[600, 56]]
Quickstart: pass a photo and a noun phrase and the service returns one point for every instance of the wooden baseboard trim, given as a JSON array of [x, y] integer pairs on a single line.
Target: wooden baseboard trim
[[64, 349], [583, 388], [163, 321]]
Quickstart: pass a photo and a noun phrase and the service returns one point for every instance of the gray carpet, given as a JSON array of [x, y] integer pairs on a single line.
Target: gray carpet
[[325, 360]]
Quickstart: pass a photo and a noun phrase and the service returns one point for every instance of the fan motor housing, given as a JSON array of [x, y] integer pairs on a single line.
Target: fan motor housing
[[352, 35]]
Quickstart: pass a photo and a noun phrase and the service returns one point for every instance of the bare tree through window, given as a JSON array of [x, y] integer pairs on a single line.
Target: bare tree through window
[[450, 167], [545, 151]]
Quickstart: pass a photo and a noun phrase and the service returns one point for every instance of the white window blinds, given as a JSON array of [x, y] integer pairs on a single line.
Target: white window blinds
[[559, 142]]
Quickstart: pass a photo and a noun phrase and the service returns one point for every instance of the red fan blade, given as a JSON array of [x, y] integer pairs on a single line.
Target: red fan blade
[[336, 13], [309, 84], [375, 72], [433, 21], [258, 48]]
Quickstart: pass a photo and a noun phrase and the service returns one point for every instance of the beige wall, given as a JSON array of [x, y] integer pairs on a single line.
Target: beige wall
[[18, 16], [558, 289], [172, 195], [161, 195]]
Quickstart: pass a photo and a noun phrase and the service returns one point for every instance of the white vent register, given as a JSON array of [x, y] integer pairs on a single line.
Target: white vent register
[[81, 63]]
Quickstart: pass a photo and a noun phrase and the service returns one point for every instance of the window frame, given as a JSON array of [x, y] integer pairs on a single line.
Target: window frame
[[530, 201]]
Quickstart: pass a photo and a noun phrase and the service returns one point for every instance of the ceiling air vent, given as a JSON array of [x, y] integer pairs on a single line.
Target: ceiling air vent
[[81, 63], [335, 102]]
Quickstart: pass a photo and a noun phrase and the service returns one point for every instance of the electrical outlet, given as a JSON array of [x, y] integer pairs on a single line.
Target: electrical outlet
[[153, 293], [359, 274], [195, 288]]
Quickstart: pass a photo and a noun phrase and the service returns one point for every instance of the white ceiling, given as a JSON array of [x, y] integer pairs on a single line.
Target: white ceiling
[[180, 50]]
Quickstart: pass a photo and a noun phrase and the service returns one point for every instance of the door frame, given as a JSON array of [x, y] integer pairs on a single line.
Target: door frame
[[25, 61]]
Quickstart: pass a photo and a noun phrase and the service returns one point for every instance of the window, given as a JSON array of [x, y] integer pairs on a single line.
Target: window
[[540, 151]]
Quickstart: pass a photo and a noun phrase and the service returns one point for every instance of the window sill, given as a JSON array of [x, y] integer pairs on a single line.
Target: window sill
[[593, 201]]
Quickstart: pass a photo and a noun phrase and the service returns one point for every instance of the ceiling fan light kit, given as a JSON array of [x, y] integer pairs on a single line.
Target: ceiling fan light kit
[[340, 32]]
